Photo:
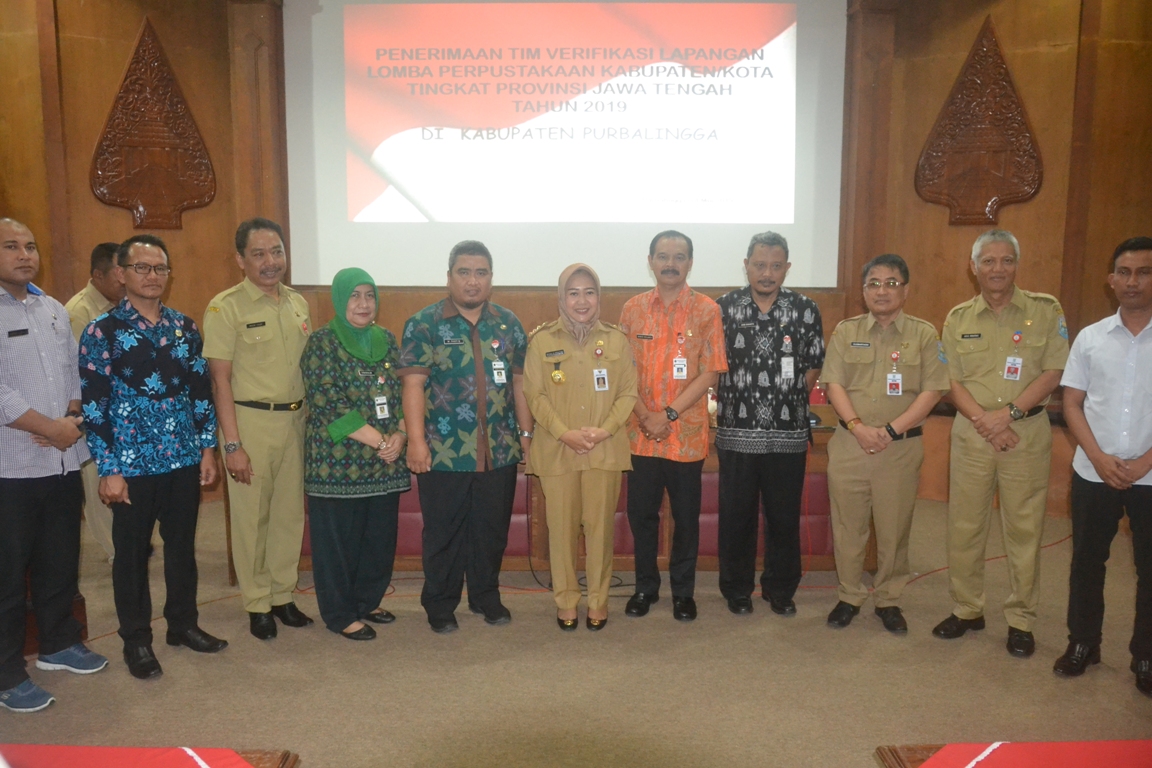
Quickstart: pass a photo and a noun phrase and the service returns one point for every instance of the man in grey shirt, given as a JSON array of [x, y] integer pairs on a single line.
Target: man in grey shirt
[[40, 489]]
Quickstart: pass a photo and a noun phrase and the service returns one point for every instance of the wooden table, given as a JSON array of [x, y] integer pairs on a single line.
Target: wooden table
[[906, 756]]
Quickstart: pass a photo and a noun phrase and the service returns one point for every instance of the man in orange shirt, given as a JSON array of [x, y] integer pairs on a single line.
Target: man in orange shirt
[[678, 343]]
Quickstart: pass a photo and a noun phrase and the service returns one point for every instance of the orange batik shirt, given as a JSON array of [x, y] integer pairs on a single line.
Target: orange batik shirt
[[689, 327]]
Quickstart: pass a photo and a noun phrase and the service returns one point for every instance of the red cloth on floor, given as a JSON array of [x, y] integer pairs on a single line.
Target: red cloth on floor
[[1045, 754], [44, 756]]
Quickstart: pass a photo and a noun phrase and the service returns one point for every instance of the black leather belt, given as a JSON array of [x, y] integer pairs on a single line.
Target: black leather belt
[[271, 406], [914, 432], [1035, 411]]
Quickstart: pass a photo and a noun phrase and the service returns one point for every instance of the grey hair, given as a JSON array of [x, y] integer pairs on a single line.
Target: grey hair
[[769, 240], [995, 236]]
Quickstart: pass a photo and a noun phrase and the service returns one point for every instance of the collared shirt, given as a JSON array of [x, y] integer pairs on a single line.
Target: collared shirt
[[978, 343], [862, 354], [759, 409], [37, 372], [86, 306], [469, 416], [689, 327], [147, 395], [1114, 368], [262, 337]]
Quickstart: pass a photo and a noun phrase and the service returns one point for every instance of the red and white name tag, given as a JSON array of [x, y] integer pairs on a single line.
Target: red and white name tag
[[1012, 368]]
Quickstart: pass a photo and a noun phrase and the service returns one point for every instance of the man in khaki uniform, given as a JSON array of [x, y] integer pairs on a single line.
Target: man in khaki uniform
[[884, 372], [1006, 350], [101, 293], [254, 334]]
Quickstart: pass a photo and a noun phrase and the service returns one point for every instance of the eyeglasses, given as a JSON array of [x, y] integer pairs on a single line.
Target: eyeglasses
[[161, 270], [875, 285]]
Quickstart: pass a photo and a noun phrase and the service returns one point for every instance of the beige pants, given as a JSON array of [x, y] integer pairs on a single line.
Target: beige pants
[[268, 515], [585, 499], [96, 512], [880, 488], [977, 471]]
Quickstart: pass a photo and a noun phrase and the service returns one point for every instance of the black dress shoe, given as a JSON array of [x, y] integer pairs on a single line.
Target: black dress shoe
[[954, 626], [364, 633], [595, 624], [893, 619], [380, 617], [683, 608], [1020, 643], [198, 640], [142, 662], [842, 615], [261, 625], [785, 606], [568, 625], [442, 625], [741, 606], [639, 603], [290, 615], [496, 616], [1143, 670], [1076, 659]]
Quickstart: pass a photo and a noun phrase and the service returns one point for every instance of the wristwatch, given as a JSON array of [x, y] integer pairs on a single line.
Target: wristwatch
[[891, 432], [1015, 412], [671, 413], [232, 447], [526, 433]]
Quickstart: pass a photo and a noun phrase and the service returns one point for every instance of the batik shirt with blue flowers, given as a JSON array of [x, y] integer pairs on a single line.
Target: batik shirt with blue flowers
[[146, 392]]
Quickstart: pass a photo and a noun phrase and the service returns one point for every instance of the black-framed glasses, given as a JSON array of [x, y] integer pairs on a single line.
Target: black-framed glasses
[[875, 285], [161, 270]]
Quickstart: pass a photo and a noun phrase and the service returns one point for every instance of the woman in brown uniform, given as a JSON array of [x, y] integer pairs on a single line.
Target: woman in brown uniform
[[580, 383]]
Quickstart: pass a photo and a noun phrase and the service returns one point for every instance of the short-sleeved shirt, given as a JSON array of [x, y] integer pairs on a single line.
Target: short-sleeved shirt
[[86, 306], [262, 337], [759, 410], [978, 343], [862, 354], [1114, 368], [688, 327], [469, 416]]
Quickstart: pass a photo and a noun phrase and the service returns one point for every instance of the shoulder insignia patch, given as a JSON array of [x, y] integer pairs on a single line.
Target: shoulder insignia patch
[[1062, 326], [213, 309], [940, 352]]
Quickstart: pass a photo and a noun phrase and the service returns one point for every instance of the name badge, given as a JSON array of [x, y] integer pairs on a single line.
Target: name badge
[[454, 342], [895, 384], [788, 367], [499, 373], [680, 368], [645, 336], [1012, 368], [260, 324], [382, 407], [18, 332], [600, 379]]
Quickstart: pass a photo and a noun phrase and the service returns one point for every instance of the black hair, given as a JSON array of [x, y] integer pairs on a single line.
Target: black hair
[[246, 228], [671, 234], [103, 257], [1131, 244], [124, 247], [886, 260]]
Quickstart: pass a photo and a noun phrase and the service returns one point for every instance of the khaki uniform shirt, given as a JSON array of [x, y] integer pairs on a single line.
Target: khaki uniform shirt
[[85, 307], [263, 338], [574, 402], [860, 356], [978, 344]]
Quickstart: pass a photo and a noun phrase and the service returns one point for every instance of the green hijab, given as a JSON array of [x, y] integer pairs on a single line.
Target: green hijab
[[369, 344]]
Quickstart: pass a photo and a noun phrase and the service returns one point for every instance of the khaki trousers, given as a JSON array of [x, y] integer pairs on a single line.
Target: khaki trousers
[[880, 488], [96, 512], [268, 515], [588, 499], [976, 472]]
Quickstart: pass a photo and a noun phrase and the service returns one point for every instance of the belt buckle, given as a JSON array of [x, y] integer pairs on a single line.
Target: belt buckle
[[294, 406]]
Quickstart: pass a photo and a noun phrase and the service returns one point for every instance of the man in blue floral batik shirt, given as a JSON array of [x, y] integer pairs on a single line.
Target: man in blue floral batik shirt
[[147, 402]]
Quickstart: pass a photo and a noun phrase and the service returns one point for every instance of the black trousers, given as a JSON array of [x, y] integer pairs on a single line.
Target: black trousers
[[747, 482], [353, 551], [39, 529], [646, 485], [173, 499], [466, 517], [1096, 512]]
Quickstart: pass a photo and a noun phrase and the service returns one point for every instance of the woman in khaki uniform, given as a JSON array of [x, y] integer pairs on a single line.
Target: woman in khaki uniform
[[580, 383]]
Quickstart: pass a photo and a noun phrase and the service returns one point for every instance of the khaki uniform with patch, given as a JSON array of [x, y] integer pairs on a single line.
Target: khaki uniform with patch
[[978, 345], [264, 338]]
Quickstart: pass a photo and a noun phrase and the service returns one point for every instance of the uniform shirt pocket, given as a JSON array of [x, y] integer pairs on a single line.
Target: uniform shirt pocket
[[859, 363], [258, 345], [973, 354]]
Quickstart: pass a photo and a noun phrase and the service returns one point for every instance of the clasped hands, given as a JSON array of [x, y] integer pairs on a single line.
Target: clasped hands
[[655, 425], [392, 447], [872, 439], [996, 428], [584, 439], [64, 433], [1119, 473]]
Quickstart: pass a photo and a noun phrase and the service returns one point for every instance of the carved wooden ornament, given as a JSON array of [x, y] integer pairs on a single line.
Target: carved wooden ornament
[[151, 158], [981, 154]]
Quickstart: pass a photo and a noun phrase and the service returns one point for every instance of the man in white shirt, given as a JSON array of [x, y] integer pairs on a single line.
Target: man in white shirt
[[1108, 407]]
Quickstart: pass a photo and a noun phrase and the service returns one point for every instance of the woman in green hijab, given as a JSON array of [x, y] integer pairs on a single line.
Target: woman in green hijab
[[354, 466]]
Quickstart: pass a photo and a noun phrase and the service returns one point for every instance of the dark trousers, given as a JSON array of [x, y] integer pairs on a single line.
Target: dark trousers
[[1096, 512], [353, 550], [646, 485], [173, 499], [747, 481], [466, 516], [39, 529]]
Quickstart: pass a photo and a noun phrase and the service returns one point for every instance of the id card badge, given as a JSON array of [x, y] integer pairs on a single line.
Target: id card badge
[[382, 407], [788, 367], [895, 384], [680, 368], [1012, 368], [600, 379], [499, 374]]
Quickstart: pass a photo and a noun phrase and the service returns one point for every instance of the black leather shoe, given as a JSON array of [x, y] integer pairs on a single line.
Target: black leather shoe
[[639, 603], [142, 662], [683, 608], [261, 625], [495, 616], [442, 625], [568, 625], [364, 633], [954, 626], [380, 616], [1076, 659], [842, 615], [290, 615], [1143, 670], [595, 624], [1020, 643], [782, 606], [893, 619], [198, 640], [741, 606]]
